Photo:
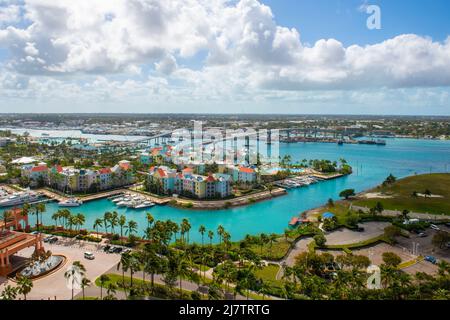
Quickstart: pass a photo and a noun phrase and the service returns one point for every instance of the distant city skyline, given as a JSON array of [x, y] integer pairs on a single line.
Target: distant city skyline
[[248, 56]]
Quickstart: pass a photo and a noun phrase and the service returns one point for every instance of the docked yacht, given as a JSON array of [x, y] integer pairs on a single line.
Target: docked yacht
[[72, 202], [145, 204], [19, 198]]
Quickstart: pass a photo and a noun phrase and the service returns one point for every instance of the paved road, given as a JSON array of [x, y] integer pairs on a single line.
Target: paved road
[[55, 284], [339, 237]]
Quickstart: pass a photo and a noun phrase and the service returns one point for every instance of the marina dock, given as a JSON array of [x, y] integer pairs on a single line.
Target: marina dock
[[102, 195]]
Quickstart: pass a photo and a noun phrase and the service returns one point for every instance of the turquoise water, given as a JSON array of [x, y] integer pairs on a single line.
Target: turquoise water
[[401, 157]]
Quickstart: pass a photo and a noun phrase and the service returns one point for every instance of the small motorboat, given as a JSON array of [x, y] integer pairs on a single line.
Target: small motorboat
[[70, 203]]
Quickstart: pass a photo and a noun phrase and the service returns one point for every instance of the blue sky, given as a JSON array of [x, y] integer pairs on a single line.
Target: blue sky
[[341, 19], [224, 56]]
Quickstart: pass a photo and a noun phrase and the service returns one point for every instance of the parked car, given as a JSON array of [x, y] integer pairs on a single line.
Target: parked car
[[448, 224], [434, 227], [118, 250], [431, 259], [89, 255], [360, 229], [52, 239], [111, 249], [422, 235], [106, 248], [128, 250], [46, 239]]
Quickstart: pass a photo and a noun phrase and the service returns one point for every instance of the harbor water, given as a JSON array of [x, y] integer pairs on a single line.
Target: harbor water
[[371, 165]]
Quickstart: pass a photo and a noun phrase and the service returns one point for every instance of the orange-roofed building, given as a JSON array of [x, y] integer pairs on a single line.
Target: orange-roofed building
[[247, 174], [36, 174]]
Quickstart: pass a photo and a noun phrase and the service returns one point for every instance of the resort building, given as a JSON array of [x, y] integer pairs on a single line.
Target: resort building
[[37, 174], [242, 174], [80, 180], [164, 180]]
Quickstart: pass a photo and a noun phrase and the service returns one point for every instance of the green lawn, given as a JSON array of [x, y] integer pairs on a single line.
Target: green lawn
[[402, 190], [275, 252], [269, 274], [117, 279]]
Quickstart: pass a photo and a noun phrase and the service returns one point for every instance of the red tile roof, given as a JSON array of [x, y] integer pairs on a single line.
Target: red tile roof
[[188, 170], [125, 166], [210, 179], [39, 168], [294, 221], [246, 170], [105, 171], [161, 172]]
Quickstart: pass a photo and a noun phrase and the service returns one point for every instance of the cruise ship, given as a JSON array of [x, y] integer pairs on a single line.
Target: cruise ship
[[19, 198]]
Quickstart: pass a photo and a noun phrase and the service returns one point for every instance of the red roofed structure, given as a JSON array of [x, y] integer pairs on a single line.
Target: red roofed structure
[[105, 171], [246, 170], [40, 168]]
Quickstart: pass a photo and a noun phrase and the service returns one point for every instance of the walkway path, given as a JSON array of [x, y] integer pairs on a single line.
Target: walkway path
[[415, 215]]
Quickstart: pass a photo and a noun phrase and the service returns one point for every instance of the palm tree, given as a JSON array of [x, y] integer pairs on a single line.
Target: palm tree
[[77, 269], [35, 212], [113, 221], [56, 217], [24, 286], [103, 279], [214, 291], [65, 215], [186, 227], [122, 222], [263, 239], [183, 269], [226, 240], [80, 219], [210, 236], [220, 231], [124, 263], [9, 293], [264, 289], [111, 291], [98, 223], [150, 219], [272, 238], [131, 227], [202, 231], [85, 282], [106, 220], [246, 276], [38, 208]]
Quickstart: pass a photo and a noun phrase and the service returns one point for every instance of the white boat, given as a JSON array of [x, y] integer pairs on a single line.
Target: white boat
[[122, 203], [19, 198], [145, 204], [70, 203], [117, 200]]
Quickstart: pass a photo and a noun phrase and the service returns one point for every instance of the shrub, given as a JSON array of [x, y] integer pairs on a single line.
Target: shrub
[[188, 205], [320, 240]]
